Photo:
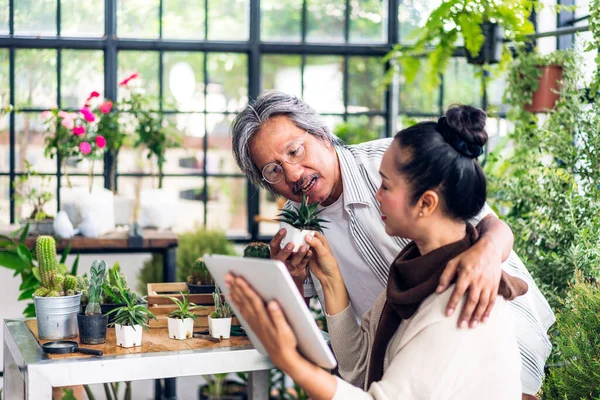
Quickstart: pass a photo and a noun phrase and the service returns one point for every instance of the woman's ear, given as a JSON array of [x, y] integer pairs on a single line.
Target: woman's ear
[[428, 203]]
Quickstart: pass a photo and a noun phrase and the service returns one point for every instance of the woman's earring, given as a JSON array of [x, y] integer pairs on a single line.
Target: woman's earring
[[420, 214]]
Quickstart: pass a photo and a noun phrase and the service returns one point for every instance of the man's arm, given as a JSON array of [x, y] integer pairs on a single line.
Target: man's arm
[[478, 270]]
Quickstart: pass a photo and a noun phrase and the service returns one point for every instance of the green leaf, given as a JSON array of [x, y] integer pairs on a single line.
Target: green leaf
[[30, 282], [75, 266], [24, 253], [24, 233], [65, 253], [12, 261], [36, 272], [26, 295]]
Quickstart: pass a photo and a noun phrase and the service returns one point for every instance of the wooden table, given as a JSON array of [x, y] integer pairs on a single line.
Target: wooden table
[[29, 373]]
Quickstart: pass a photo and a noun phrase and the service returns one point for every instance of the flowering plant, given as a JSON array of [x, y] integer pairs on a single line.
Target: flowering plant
[[76, 136]]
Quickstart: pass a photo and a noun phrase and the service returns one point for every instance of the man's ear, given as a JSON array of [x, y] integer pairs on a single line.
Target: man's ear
[[428, 203]]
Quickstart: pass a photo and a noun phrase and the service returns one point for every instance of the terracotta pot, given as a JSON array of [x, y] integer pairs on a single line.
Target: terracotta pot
[[545, 97]]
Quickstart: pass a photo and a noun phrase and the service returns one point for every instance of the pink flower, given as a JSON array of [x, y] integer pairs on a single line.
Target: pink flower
[[46, 114], [68, 123], [63, 114], [78, 130], [126, 81], [92, 95], [85, 147], [100, 141], [105, 107], [87, 114]]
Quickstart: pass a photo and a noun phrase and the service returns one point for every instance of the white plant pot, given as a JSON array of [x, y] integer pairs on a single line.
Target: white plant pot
[[219, 327], [180, 328], [128, 336], [295, 236], [158, 208], [93, 213], [123, 210]]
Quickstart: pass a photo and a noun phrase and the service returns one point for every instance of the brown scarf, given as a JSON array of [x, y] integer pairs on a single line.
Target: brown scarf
[[412, 279]]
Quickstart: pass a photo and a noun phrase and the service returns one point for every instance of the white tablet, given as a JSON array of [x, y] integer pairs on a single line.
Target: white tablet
[[272, 281]]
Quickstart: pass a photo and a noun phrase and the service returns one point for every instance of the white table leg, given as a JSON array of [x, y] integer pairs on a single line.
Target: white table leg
[[37, 385], [14, 385], [258, 385]]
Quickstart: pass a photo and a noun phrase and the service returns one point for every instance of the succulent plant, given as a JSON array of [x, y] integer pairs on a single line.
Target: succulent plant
[[200, 274], [257, 250], [54, 283], [222, 308], [304, 217], [97, 273]]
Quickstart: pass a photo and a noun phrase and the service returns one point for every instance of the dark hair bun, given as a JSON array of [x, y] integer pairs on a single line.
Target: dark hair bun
[[468, 123]]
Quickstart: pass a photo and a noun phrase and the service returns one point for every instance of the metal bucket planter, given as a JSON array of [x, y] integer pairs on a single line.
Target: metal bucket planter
[[57, 316]]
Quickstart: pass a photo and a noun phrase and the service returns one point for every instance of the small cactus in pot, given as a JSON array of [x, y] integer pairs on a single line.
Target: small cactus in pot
[[257, 250], [200, 280], [92, 324]]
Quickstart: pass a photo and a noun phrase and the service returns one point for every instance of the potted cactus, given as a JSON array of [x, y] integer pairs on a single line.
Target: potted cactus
[[200, 280], [56, 301], [130, 319], [92, 323], [181, 321], [300, 222], [257, 250], [219, 321]]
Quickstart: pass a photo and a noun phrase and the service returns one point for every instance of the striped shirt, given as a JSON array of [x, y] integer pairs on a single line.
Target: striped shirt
[[359, 166]]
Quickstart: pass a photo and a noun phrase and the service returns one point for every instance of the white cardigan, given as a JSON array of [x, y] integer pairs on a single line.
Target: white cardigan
[[429, 357]]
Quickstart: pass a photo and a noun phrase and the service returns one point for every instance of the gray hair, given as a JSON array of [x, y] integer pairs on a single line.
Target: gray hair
[[257, 113]]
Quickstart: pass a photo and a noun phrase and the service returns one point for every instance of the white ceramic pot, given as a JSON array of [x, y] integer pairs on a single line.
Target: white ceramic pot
[[157, 208], [295, 236], [219, 327], [180, 328], [123, 210], [128, 336], [95, 210]]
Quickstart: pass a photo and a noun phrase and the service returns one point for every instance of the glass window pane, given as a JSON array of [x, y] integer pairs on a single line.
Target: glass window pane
[[4, 143], [283, 73], [76, 20], [4, 78], [228, 20], [186, 159], [183, 81], [331, 121], [227, 82], [281, 20], [497, 129], [269, 208], [325, 21], [35, 17], [414, 99], [81, 73], [4, 13], [220, 156], [45, 184], [413, 14], [365, 91], [228, 210], [137, 19], [360, 129], [30, 143], [4, 200], [183, 19], [368, 21], [462, 83], [145, 63], [35, 78], [323, 83]]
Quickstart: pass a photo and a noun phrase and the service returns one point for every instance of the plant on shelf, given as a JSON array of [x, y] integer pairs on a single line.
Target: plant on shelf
[[181, 320], [36, 194], [300, 222], [219, 321], [257, 250], [130, 319], [92, 323], [200, 280]]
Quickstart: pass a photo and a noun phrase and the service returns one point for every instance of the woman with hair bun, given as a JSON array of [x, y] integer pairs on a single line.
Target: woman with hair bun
[[406, 348]]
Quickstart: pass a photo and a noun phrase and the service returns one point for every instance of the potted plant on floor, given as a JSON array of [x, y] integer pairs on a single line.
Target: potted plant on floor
[[56, 301], [200, 280], [300, 222], [219, 321], [181, 321], [37, 195], [130, 319], [92, 323]]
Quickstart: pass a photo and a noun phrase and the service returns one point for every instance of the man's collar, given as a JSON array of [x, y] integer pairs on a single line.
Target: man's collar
[[355, 188]]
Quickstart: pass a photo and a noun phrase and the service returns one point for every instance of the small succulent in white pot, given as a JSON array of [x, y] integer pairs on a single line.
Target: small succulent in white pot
[[300, 222], [181, 321], [219, 321]]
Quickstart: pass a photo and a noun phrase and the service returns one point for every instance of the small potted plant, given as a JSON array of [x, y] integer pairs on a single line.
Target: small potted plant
[[56, 301], [257, 250], [219, 321], [130, 319], [92, 323], [200, 280], [300, 222], [181, 321], [37, 196]]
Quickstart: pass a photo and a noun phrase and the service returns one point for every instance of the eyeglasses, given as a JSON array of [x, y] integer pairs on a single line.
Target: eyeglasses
[[293, 153]]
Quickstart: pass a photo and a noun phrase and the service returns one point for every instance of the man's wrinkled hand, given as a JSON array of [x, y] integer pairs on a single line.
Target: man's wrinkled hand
[[296, 263]]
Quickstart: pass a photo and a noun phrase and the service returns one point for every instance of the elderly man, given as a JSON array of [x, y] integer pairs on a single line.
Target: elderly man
[[282, 145]]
